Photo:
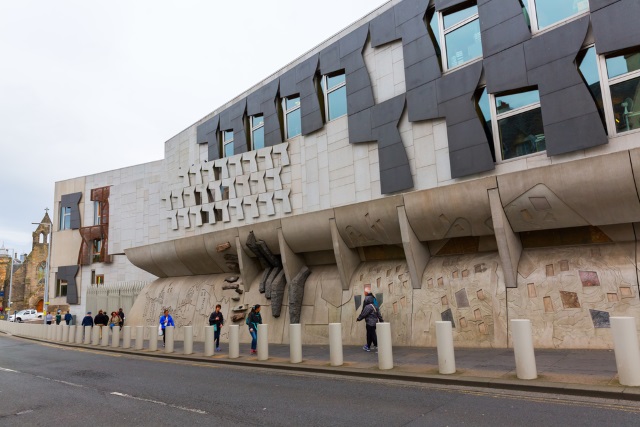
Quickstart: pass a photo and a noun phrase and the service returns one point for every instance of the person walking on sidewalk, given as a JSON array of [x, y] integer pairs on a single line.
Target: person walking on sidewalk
[[86, 321], [371, 315], [49, 318], [253, 320], [68, 318], [58, 317], [216, 319], [165, 320]]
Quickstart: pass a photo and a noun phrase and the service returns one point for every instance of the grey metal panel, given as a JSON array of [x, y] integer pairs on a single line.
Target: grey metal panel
[[272, 126], [445, 4], [233, 119], [466, 134], [599, 4], [556, 75], [396, 179], [360, 127], [494, 12], [463, 81], [616, 26], [383, 28], [71, 201], [422, 102], [410, 9], [505, 35], [213, 150], [354, 41], [311, 115], [417, 50], [460, 109], [360, 100], [205, 130], [420, 73], [470, 161], [566, 104], [357, 80], [556, 44], [330, 59], [412, 30], [506, 70], [68, 274], [288, 84], [575, 134]]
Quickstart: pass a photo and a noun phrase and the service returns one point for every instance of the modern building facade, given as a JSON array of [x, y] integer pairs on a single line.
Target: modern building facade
[[471, 161]]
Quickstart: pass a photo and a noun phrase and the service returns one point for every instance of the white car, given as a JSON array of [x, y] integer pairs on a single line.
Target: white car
[[23, 315]]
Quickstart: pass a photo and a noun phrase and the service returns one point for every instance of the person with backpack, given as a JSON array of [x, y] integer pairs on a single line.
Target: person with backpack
[[216, 319], [165, 320], [253, 320], [371, 315]]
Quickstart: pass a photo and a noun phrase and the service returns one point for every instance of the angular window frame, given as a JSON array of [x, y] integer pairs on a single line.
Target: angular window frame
[[443, 32], [65, 218], [532, 12], [226, 141], [96, 248], [328, 91], [255, 128], [607, 83], [60, 286], [97, 212], [286, 112]]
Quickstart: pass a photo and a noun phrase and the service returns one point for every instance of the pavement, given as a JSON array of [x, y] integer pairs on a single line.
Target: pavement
[[591, 373]]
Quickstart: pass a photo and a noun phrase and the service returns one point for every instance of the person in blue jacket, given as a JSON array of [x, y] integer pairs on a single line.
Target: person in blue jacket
[[165, 320], [253, 320]]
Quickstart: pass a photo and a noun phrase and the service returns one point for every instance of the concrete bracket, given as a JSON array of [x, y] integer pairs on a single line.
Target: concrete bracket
[[416, 252], [509, 245], [292, 263], [249, 267], [347, 259]]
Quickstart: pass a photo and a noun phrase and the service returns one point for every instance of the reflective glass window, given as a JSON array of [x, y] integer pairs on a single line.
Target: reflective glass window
[[505, 103], [257, 137], [521, 134], [623, 64], [588, 67], [463, 44], [454, 18], [549, 12], [625, 100]]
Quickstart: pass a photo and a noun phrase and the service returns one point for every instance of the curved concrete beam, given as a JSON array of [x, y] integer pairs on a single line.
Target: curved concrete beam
[[416, 252], [309, 232], [141, 257], [370, 223], [347, 259]]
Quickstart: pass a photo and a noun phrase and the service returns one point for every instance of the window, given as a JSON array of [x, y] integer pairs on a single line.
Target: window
[[292, 122], [623, 73], [65, 218], [335, 95], [545, 13], [587, 61], [61, 288], [227, 143], [517, 128], [257, 132], [97, 213], [99, 279], [459, 29], [483, 107], [97, 248]]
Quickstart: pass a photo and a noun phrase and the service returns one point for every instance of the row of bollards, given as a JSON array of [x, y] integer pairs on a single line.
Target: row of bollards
[[624, 332]]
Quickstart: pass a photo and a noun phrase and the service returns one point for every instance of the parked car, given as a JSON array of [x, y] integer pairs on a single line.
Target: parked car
[[23, 315]]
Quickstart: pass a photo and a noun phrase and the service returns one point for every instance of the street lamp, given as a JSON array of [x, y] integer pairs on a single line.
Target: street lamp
[[46, 274]]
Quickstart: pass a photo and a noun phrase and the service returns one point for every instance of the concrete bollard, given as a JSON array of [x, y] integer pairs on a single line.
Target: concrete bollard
[[65, 333], [79, 331], [49, 332], [140, 337], [58, 333], [295, 343], [88, 334], [234, 341], [105, 336], [115, 337], [263, 341], [625, 346], [335, 344], [168, 348], [523, 349], [208, 341], [43, 331], [126, 337], [153, 338], [95, 335], [71, 338], [385, 347], [187, 342], [446, 356]]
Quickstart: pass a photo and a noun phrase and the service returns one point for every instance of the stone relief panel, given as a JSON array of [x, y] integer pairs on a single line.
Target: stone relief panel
[[467, 290], [569, 293]]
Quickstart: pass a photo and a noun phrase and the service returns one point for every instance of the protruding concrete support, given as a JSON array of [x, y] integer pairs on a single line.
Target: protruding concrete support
[[95, 335], [263, 342], [188, 339], [105, 336], [446, 356], [509, 245], [153, 338], [88, 333], [416, 252], [140, 337], [115, 337], [65, 333], [71, 334], [385, 348], [335, 344], [126, 337], [625, 345], [292, 263], [523, 349], [168, 342], [234, 341], [208, 340], [249, 267], [59, 332], [347, 259], [295, 343]]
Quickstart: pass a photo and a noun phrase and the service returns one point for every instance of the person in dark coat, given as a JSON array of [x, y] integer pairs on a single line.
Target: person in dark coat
[[68, 318], [58, 317], [121, 314], [86, 321], [253, 320], [216, 319], [371, 315], [101, 319]]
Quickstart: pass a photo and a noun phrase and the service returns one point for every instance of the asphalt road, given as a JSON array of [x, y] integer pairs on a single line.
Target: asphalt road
[[49, 385]]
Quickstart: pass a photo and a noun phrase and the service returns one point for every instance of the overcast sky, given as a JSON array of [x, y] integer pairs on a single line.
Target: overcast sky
[[89, 86]]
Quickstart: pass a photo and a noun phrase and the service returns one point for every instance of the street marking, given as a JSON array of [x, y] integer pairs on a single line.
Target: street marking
[[8, 370], [24, 412], [182, 408]]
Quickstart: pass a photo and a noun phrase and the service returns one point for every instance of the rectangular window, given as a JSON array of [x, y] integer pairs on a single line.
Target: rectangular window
[[61, 288], [587, 61], [97, 213], [292, 121], [623, 72], [335, 95], [93, 277], [65, 218], [459, 29], [97, 248], [257, 132], [99, 279], [546, 13], [227, 143]]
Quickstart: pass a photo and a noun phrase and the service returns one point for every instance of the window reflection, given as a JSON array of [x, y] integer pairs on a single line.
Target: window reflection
[[522, 134], [463, 44], [549, 12]]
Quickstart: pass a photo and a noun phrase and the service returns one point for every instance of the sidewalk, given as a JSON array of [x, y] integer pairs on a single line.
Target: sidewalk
[[590, 373]]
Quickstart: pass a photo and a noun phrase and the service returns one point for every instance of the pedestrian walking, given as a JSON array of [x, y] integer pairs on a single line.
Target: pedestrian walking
[[49, 318], [100, 320], [371, 315], [86, 321], [165, 320], [68, 318], [253, 320], [58, 317], [121, 315], [216, 319]]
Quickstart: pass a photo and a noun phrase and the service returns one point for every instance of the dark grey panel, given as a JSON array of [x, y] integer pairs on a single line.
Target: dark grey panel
[[71, 201], [423, 72], [330, 59], [354, 41], [616, 26], [288, 84], [470, 161], [383, 28], [360, 127], [494, 12], [556, 75], [412, 30], [556, 44], [394, 155], [505, 35], [396, 179], [233, 119], [410, 9], [599, 4], [307, 68], [460, 109], [213, 149], [460, 82], [206, 129], [68, 274], [506, 70], [575, 134], [422, 102], [466, 134], [358, 80], [388, 111], [566, 104], [417, 50], [360, 100], [444, 4]]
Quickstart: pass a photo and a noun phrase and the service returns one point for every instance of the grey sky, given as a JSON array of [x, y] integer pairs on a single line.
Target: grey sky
[[88, 86]]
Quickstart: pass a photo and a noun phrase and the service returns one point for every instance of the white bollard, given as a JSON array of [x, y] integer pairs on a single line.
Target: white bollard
[[153, 338], [169, 339], [65, 333], [115, 337], [126, 337], [295, 343], [79, 331], [43, 331], [187, 342], [625, 345], [335, 344], [385, 347], [95, 335], [446, 355], [71, 334], [234, 341], [140, 337], [208, 341], [263, 341], [58, 333], [88, 333], [522, 336], [105, 336]]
